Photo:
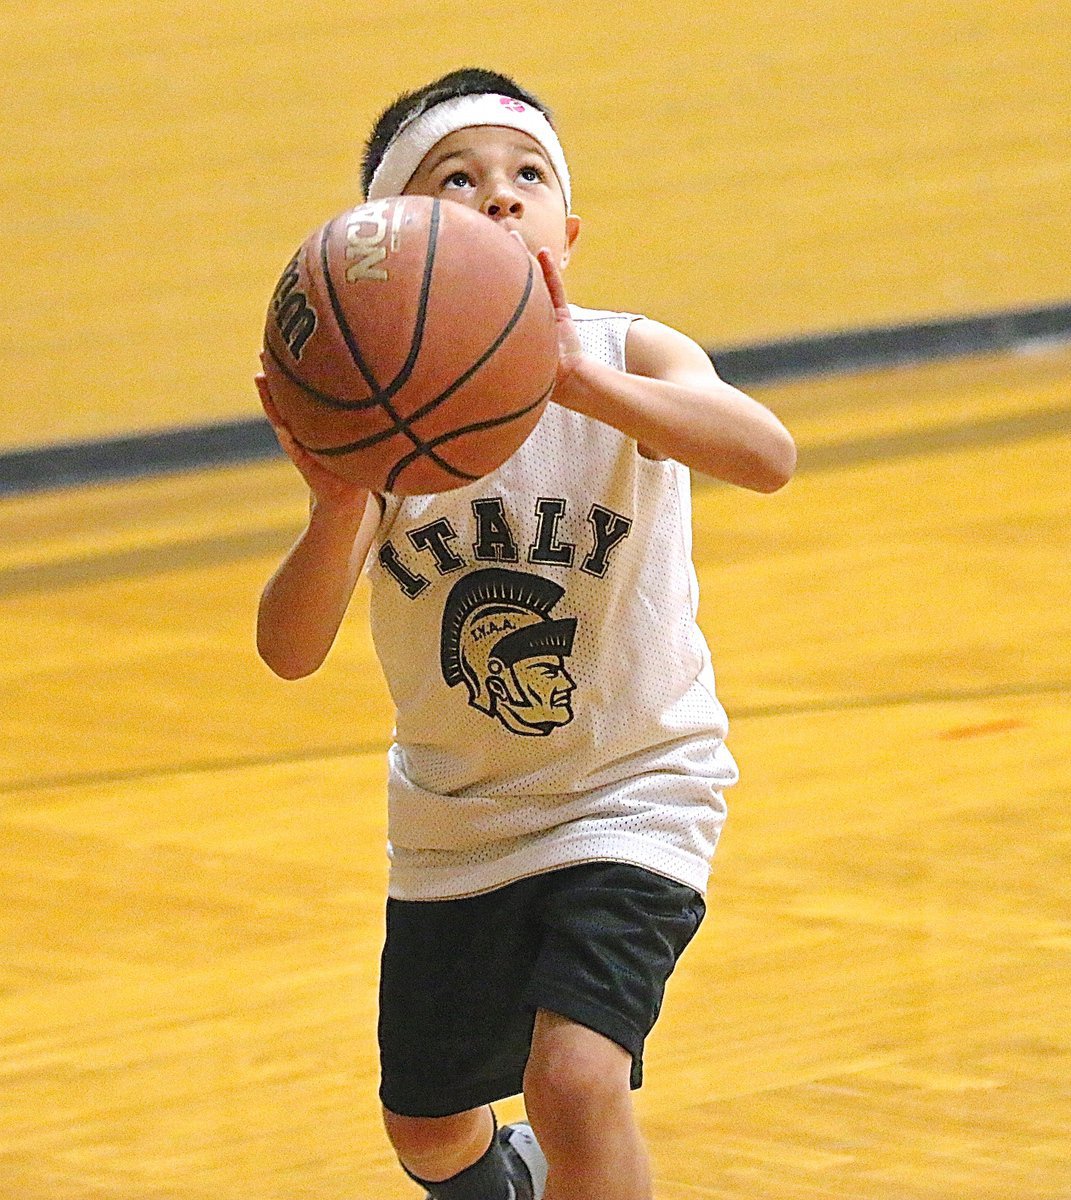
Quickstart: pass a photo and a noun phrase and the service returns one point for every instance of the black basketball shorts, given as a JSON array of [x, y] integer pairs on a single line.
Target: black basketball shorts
[[461, 980]]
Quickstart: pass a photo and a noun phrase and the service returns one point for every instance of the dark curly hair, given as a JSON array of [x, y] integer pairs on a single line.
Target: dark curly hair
[[467, 81]]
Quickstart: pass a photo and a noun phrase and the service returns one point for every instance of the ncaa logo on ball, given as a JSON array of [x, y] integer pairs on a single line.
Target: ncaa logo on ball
[[366, 237]]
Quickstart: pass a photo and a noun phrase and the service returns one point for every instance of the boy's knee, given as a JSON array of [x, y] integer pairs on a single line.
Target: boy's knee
[[573, 1071], [417, 1139]]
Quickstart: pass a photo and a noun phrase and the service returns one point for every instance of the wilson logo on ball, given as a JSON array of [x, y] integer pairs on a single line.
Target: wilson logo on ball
[[294, 315]]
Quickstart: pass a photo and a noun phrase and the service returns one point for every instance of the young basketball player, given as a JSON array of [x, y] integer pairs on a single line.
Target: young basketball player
[[556, 779]]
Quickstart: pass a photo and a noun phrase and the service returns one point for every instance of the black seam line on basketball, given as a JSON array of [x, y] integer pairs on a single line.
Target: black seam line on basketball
[[509, 327], [381, 395], [378, 393], [400, 424], [340, 320], [475, 427], [323, 397], [403, 427]]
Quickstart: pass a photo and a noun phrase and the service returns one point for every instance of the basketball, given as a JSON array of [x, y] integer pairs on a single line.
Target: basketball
[[410, 345]]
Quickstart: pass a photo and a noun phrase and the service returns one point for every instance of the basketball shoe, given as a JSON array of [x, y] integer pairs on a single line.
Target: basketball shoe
[[526, 1166], [527, 1163]]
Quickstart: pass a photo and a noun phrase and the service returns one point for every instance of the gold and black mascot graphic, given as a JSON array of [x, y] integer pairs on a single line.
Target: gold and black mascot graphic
[[500, 640]]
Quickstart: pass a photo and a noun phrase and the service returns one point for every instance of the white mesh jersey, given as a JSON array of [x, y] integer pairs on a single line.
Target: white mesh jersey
[[554, 694]]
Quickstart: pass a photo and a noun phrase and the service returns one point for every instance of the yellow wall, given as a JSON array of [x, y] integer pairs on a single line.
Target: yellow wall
[[747, 171]]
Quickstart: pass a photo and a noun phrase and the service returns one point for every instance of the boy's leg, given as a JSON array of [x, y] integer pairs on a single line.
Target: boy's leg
[[454, 1035], [437, 1148], [612, 934], [579, 1101], [466, 1157]]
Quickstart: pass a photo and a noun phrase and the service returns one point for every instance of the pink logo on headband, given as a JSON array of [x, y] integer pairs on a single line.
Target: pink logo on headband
[[512, 105]]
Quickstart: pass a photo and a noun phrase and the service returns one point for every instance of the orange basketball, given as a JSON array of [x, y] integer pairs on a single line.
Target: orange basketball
[[411, 345]]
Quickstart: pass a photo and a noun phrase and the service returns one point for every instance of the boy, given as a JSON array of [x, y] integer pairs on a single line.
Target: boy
[[555, 780]]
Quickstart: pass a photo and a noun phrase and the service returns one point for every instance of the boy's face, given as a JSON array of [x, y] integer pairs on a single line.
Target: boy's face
[[506, 175]]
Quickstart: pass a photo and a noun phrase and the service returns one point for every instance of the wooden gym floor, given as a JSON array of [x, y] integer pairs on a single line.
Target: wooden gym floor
[[879, 1005]]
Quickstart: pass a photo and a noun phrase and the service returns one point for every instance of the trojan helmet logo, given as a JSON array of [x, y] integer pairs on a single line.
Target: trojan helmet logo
[[499, 639]]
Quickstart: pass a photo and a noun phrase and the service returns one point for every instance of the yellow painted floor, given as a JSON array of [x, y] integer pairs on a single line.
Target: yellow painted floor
[[879, 1004]]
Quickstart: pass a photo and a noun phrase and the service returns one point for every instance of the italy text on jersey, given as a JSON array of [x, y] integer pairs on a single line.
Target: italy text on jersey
[[500, 636]]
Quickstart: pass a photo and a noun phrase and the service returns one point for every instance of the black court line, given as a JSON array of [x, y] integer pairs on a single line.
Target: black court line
[[892, 345], [1002, 691], [218, 549], [941, 439], [145, 561], [249, 439], [86, 779], [224, 444]]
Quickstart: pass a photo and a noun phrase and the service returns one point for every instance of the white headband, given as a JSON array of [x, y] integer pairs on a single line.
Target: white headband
[[405, 151]]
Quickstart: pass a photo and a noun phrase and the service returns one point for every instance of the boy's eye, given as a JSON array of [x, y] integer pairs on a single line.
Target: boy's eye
[[458, 179], [531, 174]]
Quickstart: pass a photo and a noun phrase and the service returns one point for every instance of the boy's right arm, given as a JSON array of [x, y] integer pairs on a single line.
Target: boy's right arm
[[302, 605]]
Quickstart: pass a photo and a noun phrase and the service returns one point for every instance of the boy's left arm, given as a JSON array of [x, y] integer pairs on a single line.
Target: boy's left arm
[[671, 400]]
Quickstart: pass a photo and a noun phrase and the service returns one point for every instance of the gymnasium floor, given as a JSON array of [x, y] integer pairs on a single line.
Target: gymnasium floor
[[879, 1004]]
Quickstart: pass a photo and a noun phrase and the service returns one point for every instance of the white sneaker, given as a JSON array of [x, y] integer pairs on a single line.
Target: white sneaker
[[523, 1153]]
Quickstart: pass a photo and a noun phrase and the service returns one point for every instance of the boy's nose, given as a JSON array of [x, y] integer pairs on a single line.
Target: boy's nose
[[502, 202]]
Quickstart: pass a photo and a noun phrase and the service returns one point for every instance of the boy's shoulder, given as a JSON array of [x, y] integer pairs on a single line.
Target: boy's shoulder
[[600, 314]]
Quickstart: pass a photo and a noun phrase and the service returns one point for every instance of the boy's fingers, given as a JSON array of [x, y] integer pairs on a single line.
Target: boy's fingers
[[282, 434], [551, 274], [268, 404], [265, 396], [553, 279]]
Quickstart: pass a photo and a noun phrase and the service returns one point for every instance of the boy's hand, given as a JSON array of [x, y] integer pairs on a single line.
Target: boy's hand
[[570, 352], [568, 338], [569, 348], [326, 487]]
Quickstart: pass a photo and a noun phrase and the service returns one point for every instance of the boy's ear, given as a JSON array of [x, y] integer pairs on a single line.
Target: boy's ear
[[572, 232]]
